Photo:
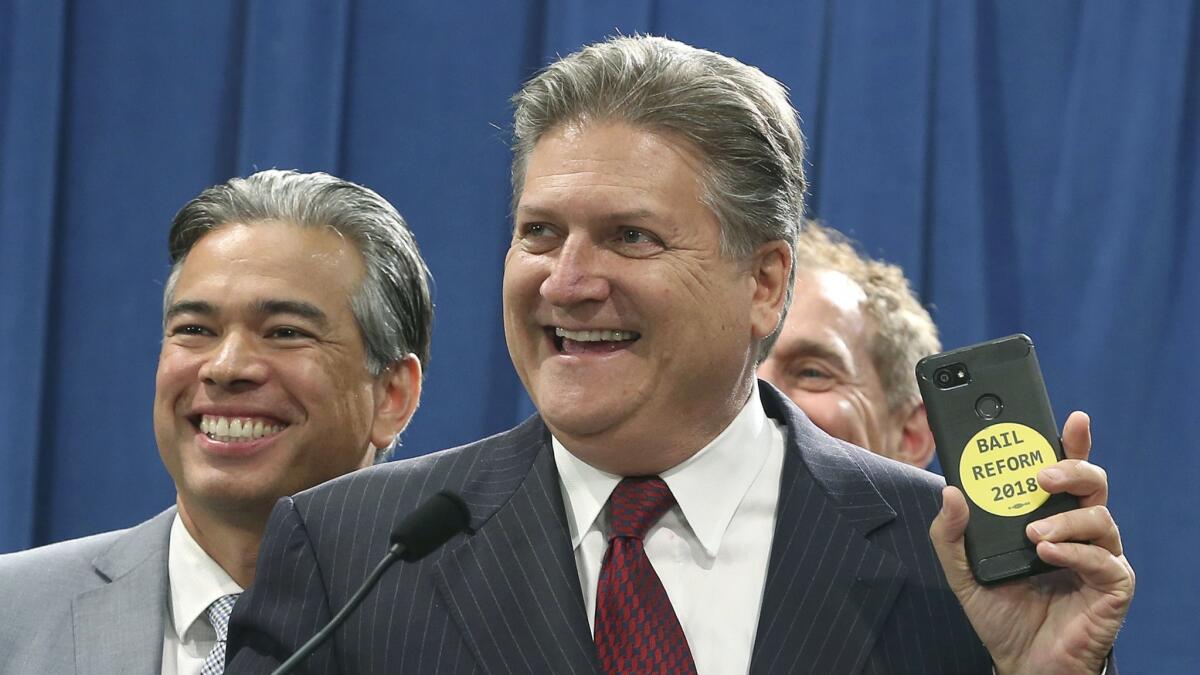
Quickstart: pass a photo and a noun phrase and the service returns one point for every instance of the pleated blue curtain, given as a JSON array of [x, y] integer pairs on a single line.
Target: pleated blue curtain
[[1032, 165]]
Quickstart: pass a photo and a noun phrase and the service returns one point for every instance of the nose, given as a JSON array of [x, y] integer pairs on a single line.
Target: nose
[[577, 274], [234, 362]]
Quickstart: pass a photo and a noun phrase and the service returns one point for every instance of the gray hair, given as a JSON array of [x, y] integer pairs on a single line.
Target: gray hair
[[904, 332], [739, 119], [392, 306]]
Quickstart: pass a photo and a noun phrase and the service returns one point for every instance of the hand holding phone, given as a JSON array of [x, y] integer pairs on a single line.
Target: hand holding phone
[[1065, 621]]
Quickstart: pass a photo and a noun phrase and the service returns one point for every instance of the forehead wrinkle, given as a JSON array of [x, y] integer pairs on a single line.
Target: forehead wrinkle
[[538, 211]]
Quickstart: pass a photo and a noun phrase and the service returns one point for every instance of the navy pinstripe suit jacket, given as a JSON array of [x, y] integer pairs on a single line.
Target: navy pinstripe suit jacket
[[853, 585]]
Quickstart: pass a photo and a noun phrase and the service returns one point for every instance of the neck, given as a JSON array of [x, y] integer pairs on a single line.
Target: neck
[[231, 542], [673, 443]]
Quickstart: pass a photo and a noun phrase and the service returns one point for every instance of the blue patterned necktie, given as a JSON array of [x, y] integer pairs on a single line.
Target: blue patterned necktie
[[218, 616]]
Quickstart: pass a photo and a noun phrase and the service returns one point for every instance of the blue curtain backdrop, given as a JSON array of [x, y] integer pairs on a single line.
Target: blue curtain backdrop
[[1031, 164]]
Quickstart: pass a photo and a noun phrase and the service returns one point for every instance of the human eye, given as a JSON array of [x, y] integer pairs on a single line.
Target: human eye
[[188, 329], [187, 334], [536, 236], [632, 236], [638, 242], [287, 333], [813, 377]]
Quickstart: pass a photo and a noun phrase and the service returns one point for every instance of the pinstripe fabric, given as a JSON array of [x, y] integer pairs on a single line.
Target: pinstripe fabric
[[853, 585]]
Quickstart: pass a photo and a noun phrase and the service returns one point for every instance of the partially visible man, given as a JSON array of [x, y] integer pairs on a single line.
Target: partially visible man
[[296, 319], [664, 511], [847, 350]]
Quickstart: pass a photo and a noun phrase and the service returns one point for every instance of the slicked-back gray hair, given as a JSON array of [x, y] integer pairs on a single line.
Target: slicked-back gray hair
[[392, 305], [736, 116], [903, 331]]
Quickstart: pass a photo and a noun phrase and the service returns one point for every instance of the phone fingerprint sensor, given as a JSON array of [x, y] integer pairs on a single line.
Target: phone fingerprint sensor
[[989, 406]]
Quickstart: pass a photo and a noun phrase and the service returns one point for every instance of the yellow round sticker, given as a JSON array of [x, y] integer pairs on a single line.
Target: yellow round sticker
[[999, 468]]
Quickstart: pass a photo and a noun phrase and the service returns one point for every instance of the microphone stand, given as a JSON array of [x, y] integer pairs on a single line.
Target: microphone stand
[[433, 523], [315, 641]]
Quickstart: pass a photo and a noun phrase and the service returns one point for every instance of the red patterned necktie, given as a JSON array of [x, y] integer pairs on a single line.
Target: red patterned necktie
[[637, 630]]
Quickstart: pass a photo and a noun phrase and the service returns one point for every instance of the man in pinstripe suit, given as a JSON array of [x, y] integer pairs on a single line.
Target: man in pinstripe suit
[[658, 189]]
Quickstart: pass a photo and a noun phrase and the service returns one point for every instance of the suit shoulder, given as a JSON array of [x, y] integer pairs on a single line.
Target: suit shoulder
[[899, 472], [63, 554], [56, 568], [892, 477], [70, 562], [408, 481]]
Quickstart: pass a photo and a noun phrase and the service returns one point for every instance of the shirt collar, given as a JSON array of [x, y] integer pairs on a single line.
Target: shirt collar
[[732, 460], [196, 579]]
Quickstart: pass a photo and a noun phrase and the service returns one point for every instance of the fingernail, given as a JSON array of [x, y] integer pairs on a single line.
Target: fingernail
[[1052, 475], [1040, 531]]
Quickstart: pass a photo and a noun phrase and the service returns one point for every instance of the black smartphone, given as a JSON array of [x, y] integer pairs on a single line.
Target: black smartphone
[[994, 430]]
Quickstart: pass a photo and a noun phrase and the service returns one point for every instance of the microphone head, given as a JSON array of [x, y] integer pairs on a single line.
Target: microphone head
[[433, 523]]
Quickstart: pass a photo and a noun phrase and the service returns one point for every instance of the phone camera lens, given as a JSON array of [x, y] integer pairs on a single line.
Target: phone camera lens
[[953, 375]]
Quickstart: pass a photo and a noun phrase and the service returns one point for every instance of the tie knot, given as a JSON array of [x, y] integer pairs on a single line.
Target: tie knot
[[636, 504], [218, 614]]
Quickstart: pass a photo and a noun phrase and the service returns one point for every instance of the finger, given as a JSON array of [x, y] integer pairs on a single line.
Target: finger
[[1077, 435], [1093, 524], [1096, 567], [946, 533], [1082, 479]]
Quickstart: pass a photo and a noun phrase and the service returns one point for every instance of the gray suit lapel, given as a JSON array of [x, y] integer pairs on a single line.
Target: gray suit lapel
[[828, 588], [119, 627], [513, 587]]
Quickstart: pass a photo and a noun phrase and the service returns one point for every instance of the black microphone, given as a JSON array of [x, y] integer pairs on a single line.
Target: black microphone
[[433, 523]]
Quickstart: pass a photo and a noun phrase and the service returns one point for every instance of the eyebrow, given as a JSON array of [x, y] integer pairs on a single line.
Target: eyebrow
[[189, 307], [298, 308]]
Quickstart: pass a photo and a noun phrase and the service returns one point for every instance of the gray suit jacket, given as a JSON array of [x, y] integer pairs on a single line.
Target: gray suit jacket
[[853, 585], [91, 605]]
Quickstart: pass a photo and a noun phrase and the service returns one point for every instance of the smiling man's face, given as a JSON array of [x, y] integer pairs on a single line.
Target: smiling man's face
[[262, 387], [633, 334], [823, 362]]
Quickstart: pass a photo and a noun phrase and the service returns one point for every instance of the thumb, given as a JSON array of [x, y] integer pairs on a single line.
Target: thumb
[[946, 533]]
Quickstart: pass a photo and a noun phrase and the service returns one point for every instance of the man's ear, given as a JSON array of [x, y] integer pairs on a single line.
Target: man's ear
[[397, 393], [771, 268], [916, 439]]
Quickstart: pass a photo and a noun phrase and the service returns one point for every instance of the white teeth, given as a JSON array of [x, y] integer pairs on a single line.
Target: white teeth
[[596, 335], [230, 429]]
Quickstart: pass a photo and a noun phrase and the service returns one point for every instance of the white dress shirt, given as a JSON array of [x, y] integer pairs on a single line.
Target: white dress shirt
[[196, 580], [711, 549]]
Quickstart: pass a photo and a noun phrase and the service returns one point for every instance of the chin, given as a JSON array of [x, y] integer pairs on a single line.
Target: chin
[[580, 422]]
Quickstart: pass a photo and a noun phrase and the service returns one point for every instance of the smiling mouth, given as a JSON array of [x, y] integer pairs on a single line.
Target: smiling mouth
[[591, 341], [237, 429]]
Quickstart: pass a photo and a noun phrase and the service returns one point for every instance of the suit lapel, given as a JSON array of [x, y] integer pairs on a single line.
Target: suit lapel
[[828, 588], [119, 626], [513, 587]]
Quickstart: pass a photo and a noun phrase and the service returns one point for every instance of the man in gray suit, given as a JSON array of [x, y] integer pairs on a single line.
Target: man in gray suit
[[664, 511], [296, 319], [847, 351]]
